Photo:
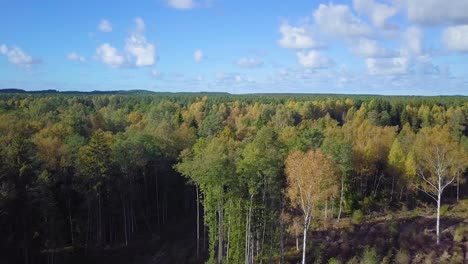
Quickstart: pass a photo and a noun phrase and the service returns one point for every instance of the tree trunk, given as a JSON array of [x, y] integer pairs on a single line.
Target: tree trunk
[[125, 222], [326, 210], [71, 222], [220, 233], [297, 241], [341, 198], [304, 243], [438, 216], [247, 232], [198, 222], [281, 236]]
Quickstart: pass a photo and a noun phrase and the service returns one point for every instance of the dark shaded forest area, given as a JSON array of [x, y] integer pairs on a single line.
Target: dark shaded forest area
[[190, 178]]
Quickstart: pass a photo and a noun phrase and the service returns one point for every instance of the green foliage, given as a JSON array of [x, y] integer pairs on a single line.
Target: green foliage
[[460, 233], [402, 257], [353, 260], [99, 169], [357, 217], [370, 256], [444, 209], [334, 261]]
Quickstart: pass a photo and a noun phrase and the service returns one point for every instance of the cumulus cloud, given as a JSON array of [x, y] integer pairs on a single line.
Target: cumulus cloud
[[250, 63], [198, 56], [412, 41], [137, 51], [455, 38], [105, 26], [368, 48], [296, 37], [110, 55], [73, 56], [18, 57], [181, 4], [378, 13], [313, 59], [141, 51], [387, 66], [340, 21], [433, 12]]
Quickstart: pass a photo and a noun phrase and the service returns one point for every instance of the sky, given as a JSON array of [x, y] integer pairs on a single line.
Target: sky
[[388, 47]]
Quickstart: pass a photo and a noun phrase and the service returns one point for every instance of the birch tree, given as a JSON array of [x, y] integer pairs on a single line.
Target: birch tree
[[312, 178], [438, 159]]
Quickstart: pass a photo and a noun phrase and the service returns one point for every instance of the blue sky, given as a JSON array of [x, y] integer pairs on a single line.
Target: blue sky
[[358, 46]]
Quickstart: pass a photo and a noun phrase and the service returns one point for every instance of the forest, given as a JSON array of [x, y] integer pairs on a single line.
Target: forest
[[141, 177]]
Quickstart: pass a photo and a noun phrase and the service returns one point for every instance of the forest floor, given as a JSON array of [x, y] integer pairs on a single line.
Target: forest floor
[[397, 237], [175, 244], [404, 236]]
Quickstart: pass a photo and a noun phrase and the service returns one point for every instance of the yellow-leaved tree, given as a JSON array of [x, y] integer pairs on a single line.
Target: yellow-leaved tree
[[439, 158], [312, 178]]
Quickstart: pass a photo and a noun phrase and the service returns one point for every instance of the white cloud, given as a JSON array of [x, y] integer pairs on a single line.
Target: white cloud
[[456, 38], [377, 12], [73, 56], [105, 26], [433, 12], [18, 57], [339, 20], [181, 4], [368, 48], [110, 56], [140, 50], [140, 25], [313, 59], [296, 38], [250, 63], [3, 49], [412, 42], [388, 66], [198, 55]]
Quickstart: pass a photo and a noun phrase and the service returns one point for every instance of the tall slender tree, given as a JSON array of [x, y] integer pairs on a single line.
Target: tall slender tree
[[312, 178]]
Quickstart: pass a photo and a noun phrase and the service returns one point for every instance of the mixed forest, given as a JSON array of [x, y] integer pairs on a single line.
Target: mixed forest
[[145, 177]]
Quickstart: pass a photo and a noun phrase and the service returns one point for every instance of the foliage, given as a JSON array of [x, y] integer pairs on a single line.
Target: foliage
[[87, 171], [370, 256], [358, 217]]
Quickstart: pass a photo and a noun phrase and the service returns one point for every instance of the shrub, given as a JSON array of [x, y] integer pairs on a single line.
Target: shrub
[[385, 260], [444, 209], [429, 258], [353, 260], [370, 256], [392, 228], [402, 257], [358, 217], [334, 261], [457, 257], [460, 233], [445, 258]]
